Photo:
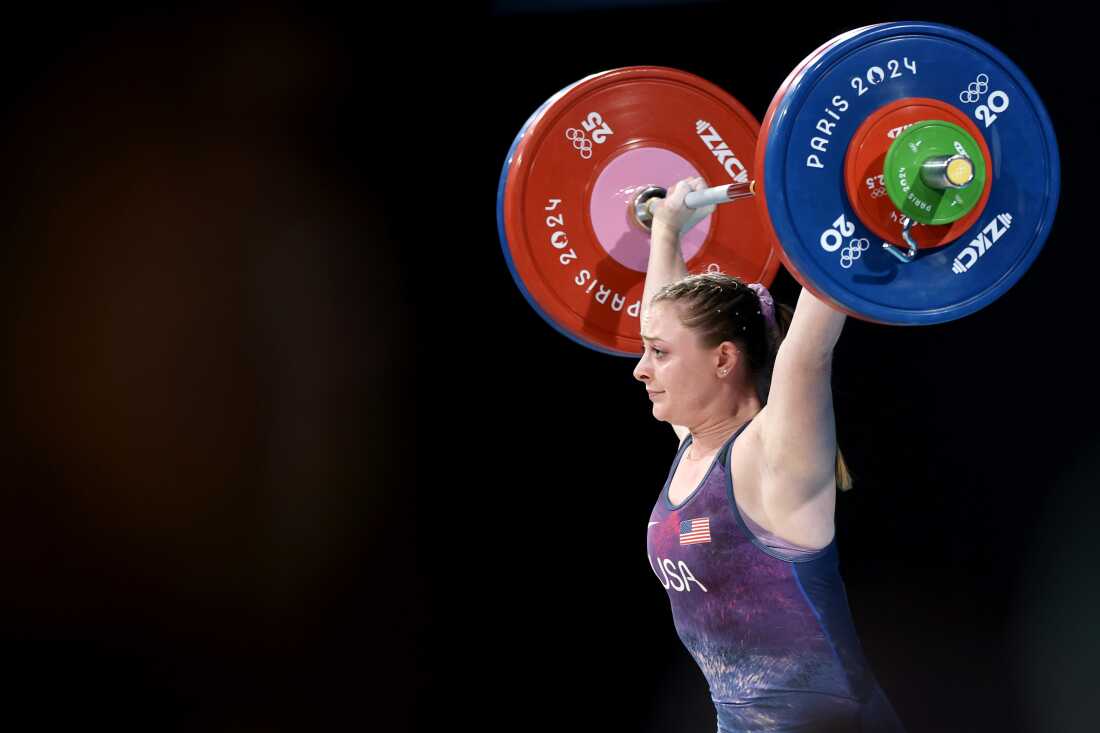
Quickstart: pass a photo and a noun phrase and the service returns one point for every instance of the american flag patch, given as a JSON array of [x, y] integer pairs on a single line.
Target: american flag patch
[[694, 531]]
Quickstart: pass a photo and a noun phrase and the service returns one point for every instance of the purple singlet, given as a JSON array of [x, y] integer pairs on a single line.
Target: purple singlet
[[767, 622]]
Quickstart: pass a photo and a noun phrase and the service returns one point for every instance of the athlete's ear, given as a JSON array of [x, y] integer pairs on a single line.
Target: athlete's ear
[[726, 357]]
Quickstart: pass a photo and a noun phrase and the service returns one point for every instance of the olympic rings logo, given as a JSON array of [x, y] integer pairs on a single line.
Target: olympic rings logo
[[580, 142], [878, 192], [975, 90], [852, 252]]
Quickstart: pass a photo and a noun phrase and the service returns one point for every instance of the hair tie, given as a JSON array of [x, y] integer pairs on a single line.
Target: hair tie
[[767, 305]]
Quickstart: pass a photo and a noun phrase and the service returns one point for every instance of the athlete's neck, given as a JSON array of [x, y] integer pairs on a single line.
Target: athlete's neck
[[710, 436]]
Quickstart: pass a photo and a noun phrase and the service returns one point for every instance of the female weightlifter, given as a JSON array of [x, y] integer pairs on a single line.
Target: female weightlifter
[[742, 535]]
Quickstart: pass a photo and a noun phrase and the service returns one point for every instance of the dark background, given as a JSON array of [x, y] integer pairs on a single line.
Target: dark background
[[286, 449]]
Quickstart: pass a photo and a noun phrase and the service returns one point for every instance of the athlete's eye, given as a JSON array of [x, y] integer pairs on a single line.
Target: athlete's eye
[[658, 352]]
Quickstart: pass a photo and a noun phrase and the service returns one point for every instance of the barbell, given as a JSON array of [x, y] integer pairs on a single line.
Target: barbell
[[906, 173]]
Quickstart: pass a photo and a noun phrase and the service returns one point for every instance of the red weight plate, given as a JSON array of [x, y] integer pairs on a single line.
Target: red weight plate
[[573, 175], [863, 164]]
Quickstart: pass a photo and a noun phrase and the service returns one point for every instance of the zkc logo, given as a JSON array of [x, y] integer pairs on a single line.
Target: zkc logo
[[721, 151]]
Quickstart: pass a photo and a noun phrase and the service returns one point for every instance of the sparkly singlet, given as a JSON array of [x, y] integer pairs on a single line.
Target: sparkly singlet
[[767, 622]]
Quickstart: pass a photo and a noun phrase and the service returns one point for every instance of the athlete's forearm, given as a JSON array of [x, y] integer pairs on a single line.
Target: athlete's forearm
[[814, 330], [666, 262]]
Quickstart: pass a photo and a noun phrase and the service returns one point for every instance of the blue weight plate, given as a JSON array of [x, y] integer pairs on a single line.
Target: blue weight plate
[[806, 135]]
